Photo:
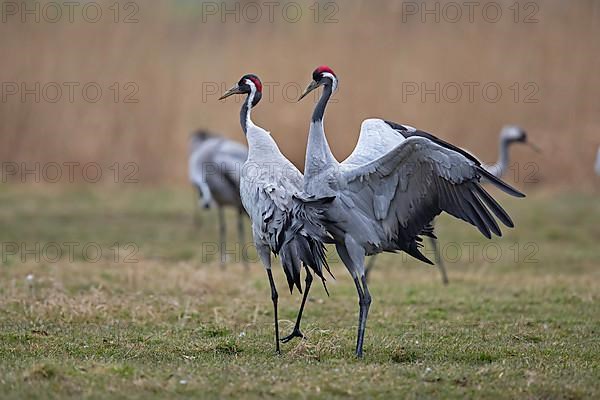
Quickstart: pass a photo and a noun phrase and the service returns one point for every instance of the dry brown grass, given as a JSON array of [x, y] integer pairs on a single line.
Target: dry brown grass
[[170, 54]]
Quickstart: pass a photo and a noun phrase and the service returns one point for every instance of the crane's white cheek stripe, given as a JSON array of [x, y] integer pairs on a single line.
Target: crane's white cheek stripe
[[333, 79], [252, 86]]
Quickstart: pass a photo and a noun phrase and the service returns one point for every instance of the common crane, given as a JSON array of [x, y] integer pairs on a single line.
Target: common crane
[[392, 186], [283, 223], [214, 167]]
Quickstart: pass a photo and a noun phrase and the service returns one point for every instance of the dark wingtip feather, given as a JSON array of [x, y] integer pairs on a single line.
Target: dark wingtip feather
[[474, 216], [494, 206], [483, 212], [499, 183]]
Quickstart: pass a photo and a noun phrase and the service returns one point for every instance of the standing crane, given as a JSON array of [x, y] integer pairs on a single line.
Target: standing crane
[[214, 170], [509, 135], [389, 190], [283, 223]]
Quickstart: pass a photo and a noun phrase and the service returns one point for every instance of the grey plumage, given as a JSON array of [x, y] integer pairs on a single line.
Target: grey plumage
[[390, 189], [214, 166]]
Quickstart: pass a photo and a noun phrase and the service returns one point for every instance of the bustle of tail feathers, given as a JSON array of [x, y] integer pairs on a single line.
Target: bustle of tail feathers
[[413, 250], [415, 245], [303, 241], [428, 231]]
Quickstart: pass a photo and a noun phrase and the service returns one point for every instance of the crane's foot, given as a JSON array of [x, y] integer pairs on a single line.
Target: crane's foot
[[295, 334]]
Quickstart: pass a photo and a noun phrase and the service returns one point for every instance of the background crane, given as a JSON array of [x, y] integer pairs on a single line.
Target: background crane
[[214, 170]]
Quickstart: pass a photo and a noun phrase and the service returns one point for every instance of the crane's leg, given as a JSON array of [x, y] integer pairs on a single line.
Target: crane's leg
[[370, 266], [439, 260], [222, 236], [274, 298], [242, 238], [197, 219], [265, 256], [362, 324], [352, 255], [297, 332]]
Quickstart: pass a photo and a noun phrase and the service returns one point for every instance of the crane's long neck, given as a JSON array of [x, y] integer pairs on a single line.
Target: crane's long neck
[[502, 163], [246, 111], [260, 142], [318, 153]]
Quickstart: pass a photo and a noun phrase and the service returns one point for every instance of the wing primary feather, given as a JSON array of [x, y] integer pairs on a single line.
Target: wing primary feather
[[495, 207], [459, 209], [479, 223], [499, 183], [484, 213]]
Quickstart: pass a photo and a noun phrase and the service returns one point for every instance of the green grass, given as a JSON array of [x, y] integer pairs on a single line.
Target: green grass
[[174, 325]]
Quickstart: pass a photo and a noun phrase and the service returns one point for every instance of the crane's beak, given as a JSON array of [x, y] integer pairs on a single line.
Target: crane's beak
[[311, 86], [530, 144], [234, 90], [534, 147]]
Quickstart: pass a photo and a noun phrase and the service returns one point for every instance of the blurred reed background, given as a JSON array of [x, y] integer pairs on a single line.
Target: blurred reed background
[[176, 55]]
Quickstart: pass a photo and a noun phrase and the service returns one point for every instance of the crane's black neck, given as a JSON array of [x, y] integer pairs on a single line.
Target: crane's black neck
[[245, 113], [319, 111], [318, 152]]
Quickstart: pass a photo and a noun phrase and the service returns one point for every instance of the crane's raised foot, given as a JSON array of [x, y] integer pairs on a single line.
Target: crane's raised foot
[[296, 333]]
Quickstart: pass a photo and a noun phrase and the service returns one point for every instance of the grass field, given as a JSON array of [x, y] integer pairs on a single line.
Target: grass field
[[153, 320]]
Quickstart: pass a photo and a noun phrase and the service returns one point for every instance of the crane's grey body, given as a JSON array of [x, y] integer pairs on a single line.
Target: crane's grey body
[[597, 166], [390, 189], [356, 205], [215, 165], [267, 187]]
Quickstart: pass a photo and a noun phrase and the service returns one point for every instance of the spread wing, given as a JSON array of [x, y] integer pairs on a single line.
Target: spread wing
[[404, 189], [376, 138]]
